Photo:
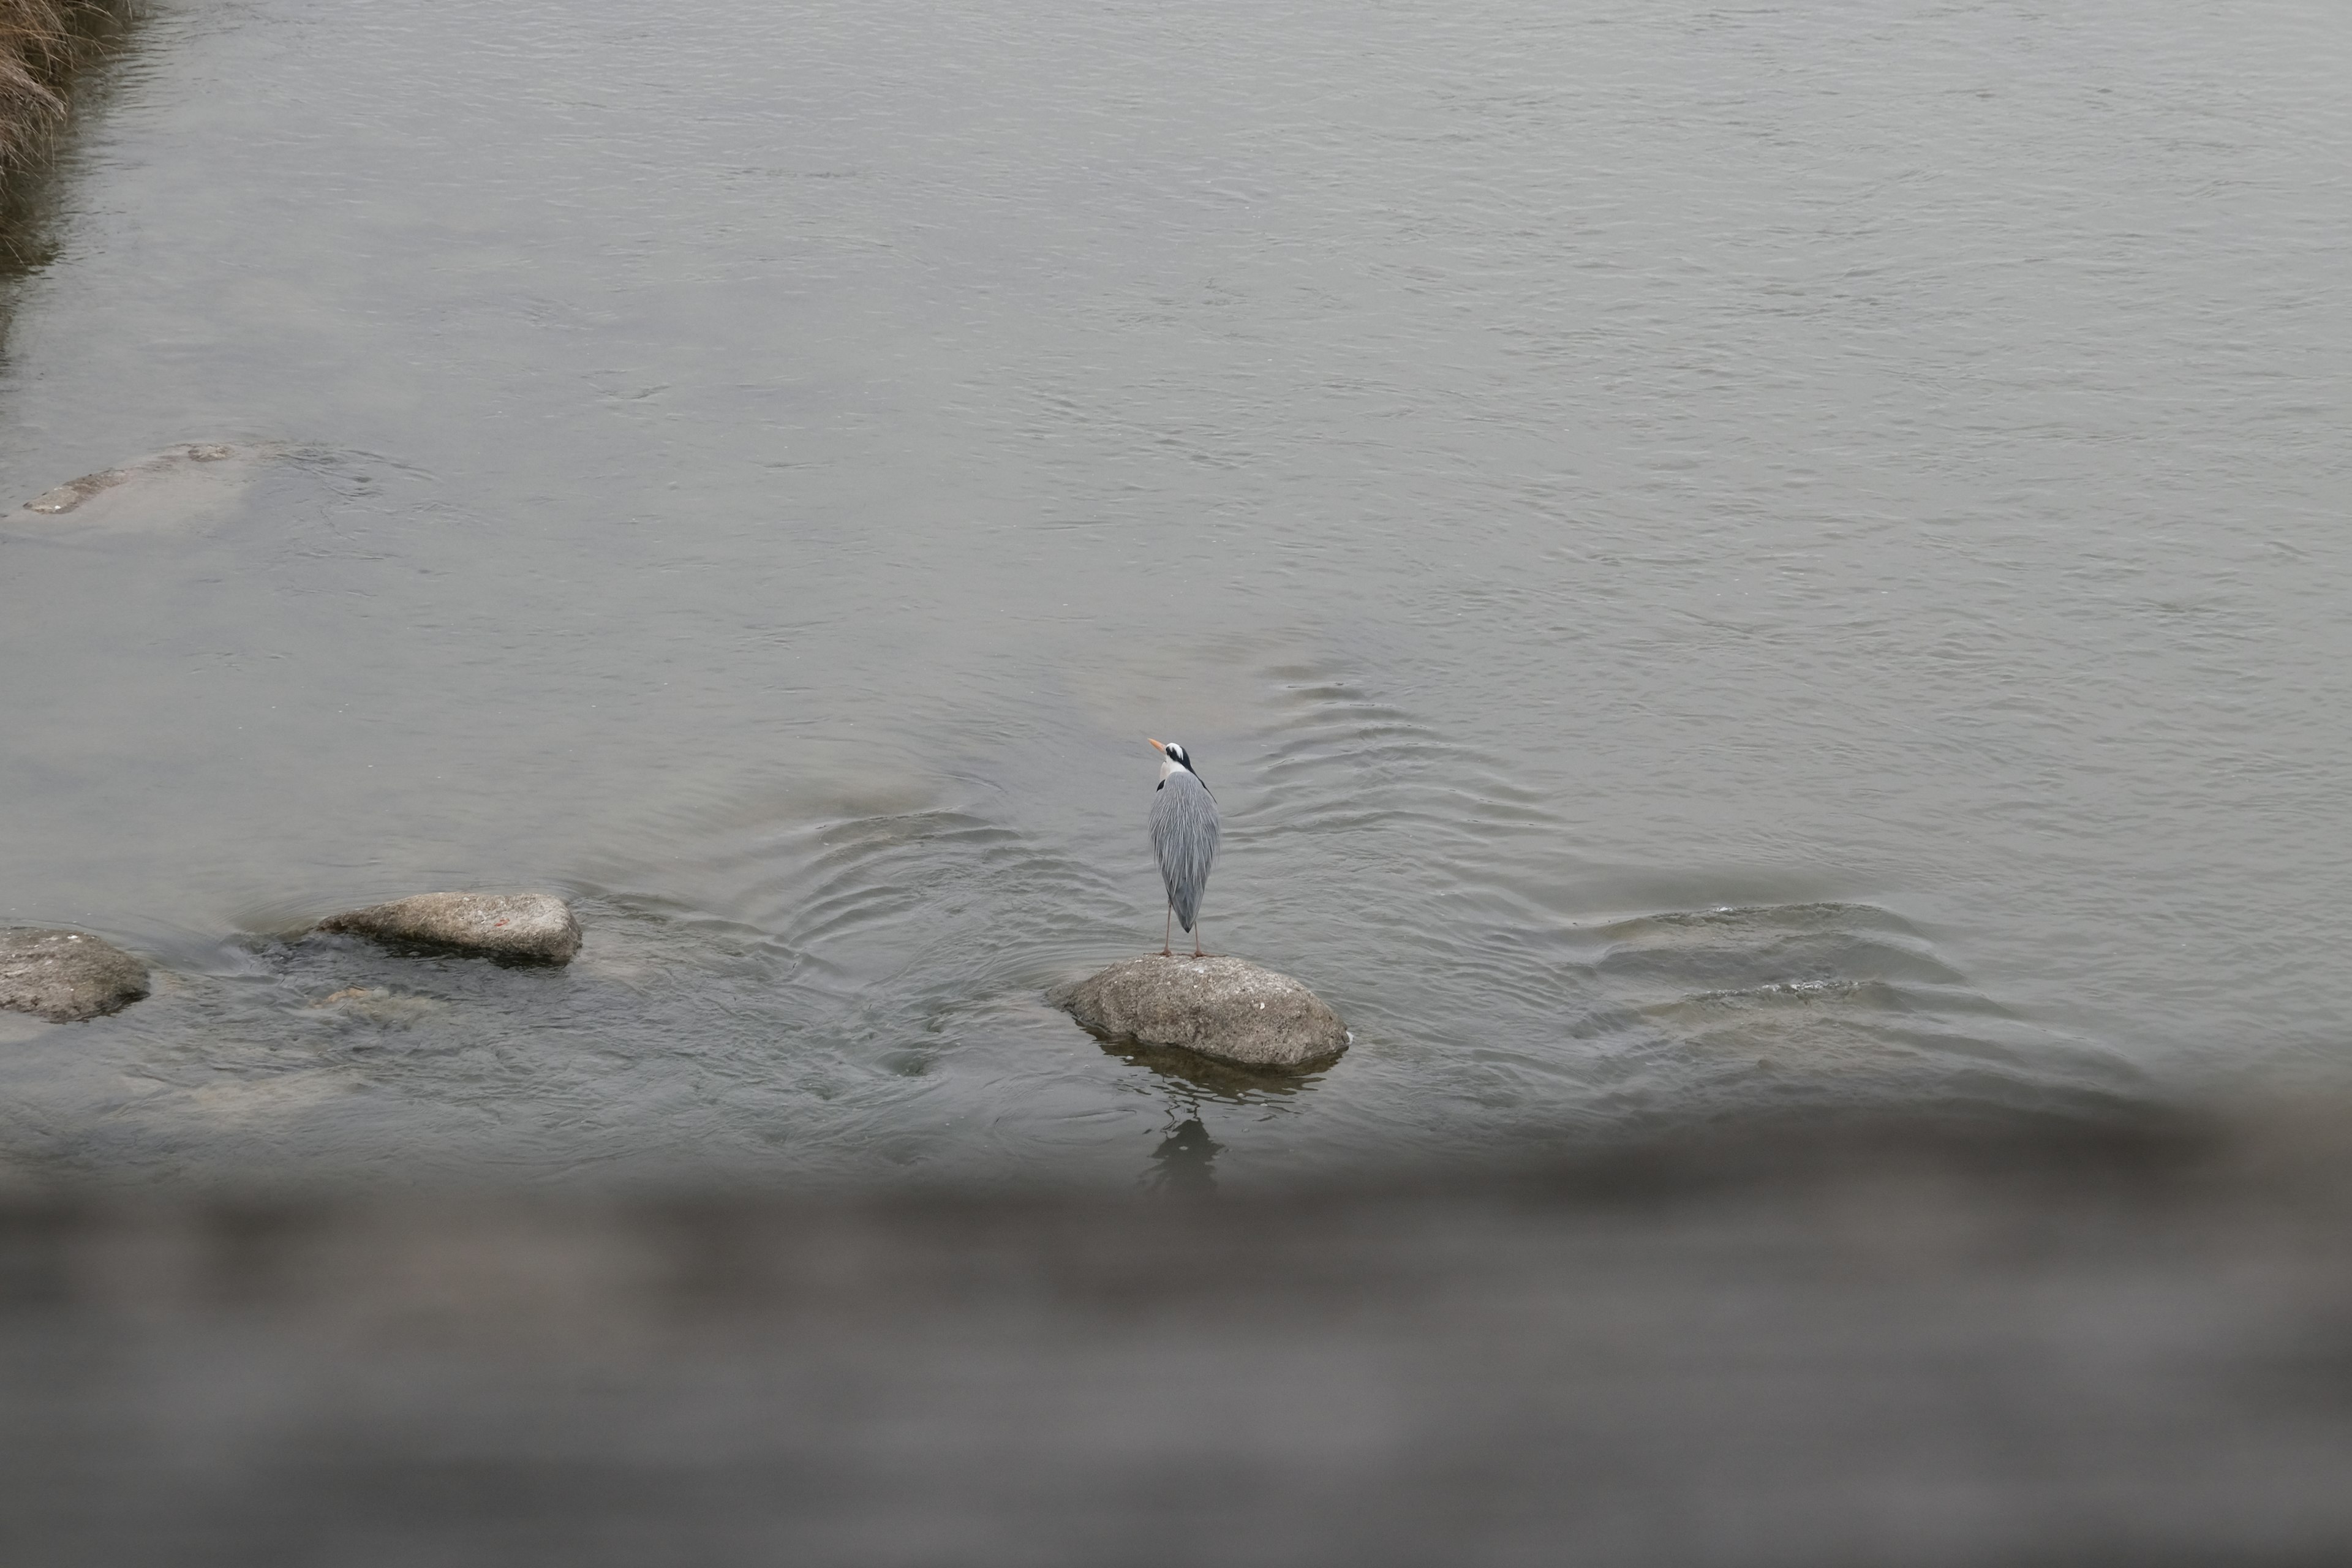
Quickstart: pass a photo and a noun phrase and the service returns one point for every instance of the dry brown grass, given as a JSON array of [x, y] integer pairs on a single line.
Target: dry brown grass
[[41, 43]]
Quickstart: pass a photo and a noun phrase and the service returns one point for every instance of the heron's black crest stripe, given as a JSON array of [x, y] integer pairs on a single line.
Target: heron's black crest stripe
[[1183, 759]]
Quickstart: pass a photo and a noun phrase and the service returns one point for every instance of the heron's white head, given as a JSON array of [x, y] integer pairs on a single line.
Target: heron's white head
[[1172, 758]]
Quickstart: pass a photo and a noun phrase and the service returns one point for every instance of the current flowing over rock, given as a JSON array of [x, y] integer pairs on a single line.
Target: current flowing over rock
[[66, 976], [1225, 1008], [537, 927]]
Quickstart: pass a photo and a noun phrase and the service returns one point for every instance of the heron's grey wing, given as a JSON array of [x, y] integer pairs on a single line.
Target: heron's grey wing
[[1184, 834]]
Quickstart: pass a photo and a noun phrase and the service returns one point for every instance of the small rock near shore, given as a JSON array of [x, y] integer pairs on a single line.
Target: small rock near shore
[[66, 976], [537, 927], [1225, 1008]]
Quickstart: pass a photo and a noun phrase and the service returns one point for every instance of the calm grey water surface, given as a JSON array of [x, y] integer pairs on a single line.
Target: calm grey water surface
[[1714, 558]]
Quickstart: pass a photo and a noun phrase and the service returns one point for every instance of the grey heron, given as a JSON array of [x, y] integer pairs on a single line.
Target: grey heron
[[1185, 836]]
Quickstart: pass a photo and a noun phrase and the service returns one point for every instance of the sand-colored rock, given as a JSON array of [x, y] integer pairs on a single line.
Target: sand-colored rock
[[537, 927], [66, 976], [1228, 1009]]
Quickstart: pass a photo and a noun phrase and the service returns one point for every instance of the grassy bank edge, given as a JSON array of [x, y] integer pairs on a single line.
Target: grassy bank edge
[[42, 44]]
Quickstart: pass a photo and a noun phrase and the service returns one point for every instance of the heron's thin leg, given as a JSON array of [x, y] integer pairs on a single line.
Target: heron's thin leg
[[1196, 938], [1167, 936]]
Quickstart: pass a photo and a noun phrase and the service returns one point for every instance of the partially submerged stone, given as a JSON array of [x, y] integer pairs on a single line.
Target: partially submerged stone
[[378, 1005], [1228, 1009], [66, 976], [177, 485], [537, 927]]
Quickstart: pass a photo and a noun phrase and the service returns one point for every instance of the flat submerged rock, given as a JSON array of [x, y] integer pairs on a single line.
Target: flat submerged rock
[[1227, 1009], [66, 976], [536, 927], [179, 485]]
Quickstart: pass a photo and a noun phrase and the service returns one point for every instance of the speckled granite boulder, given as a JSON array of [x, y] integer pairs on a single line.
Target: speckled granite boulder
[[1225, 1008], [66, 976], [537, 927]]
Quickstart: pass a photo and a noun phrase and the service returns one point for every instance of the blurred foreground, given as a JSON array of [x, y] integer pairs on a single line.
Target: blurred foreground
[[1805, 1346]]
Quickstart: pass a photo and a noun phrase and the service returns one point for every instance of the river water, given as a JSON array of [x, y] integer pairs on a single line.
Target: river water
[[1715, 559]]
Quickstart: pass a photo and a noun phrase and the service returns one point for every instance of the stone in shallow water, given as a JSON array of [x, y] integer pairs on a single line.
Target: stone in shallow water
[[535, 926], [378, 1005], [176, 487], [66, 976], [184, 476], [1225, 1008]]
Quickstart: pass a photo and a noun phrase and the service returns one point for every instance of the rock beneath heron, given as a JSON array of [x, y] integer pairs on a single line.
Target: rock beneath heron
[[66, 976], [1225, 1008], [534, 927]]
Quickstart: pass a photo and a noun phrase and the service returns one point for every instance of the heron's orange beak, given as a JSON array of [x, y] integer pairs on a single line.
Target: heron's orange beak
[[1155, 745]]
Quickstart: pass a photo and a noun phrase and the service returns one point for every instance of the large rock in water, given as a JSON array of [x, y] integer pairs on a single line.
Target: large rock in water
[[66, 976], [536, 927], [1224, 1008]]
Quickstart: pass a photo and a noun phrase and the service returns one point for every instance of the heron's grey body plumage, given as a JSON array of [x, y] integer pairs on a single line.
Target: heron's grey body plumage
[[1184, 834]]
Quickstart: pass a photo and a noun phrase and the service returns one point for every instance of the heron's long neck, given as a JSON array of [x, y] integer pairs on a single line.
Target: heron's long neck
[[1168, 765]]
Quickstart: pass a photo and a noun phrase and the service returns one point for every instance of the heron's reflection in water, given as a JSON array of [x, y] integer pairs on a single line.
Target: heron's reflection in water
[[1186, 1160], [1187, 1085]]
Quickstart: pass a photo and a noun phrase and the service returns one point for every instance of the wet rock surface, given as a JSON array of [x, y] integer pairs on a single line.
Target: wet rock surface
[[1225, 1008], [533, 927], [66, 976]]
